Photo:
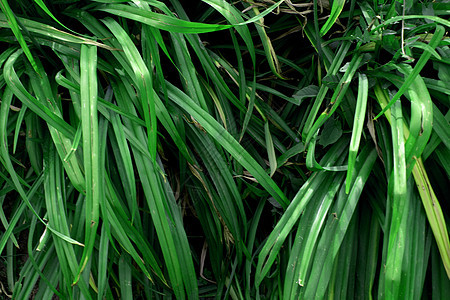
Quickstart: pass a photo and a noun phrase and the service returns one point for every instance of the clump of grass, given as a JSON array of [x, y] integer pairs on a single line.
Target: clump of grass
[[250, 150]]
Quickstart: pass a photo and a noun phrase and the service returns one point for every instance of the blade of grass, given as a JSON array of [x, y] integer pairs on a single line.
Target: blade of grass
[[14, 26], [89, 124], [144, 80], [7, 98], [57, 217], [430, 202], [50, 33], [13, 81], [397, 185], [270, 149], [227, 141], [337, 97], [125, 277], [278, 235], [336, 9], [434, 42], [332, 238], [358, 124]]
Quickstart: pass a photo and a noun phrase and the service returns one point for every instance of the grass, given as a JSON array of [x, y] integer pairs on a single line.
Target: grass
[[245, 150]]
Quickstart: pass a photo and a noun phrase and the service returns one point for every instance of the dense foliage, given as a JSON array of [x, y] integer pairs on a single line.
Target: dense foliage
[[219, 149]]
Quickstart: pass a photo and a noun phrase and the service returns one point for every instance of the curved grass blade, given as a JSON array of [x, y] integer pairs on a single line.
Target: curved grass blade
[[290, 217], [172, 24], [13, 81], [397, 184], [430, 202], [421, 123], [45, 95], [358, 124], [160, 21], [48, 32], [143, 79], [6, 161], [336, 10], [335, 230], [311, 162], [233, 16], [14, 26], [394, 20], [49, 13], [227, 141], [337, 97], [434, 42]]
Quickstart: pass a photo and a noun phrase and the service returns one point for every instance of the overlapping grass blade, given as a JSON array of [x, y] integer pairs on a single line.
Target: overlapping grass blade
[[435, 40], [337, 97], [143, 79], [91, 151], [400, 205], [57, 216], [199, 205], [51, 34], [429, 199], [40, 109], [357, 126], [332, 238], [228, 142], [45, 96], [278, 235], [12, 23], [6, 161]]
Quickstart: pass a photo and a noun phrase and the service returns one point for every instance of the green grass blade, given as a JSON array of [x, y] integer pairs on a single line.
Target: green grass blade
[[40, 109], [228, 142], [434, 42], [430, 202], [358, 124], [14, 26], [57, 216], [160, 21], [6, 161], [271, 56], [278, 235], [410, 17], [46, 95], [308, 231], [332, 238], [337, 97], [144, 81], [102, 263], [91, 150], [336, 10], [270, 149], [125, 277], [397, 183], [49, 33], [333, 69]]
